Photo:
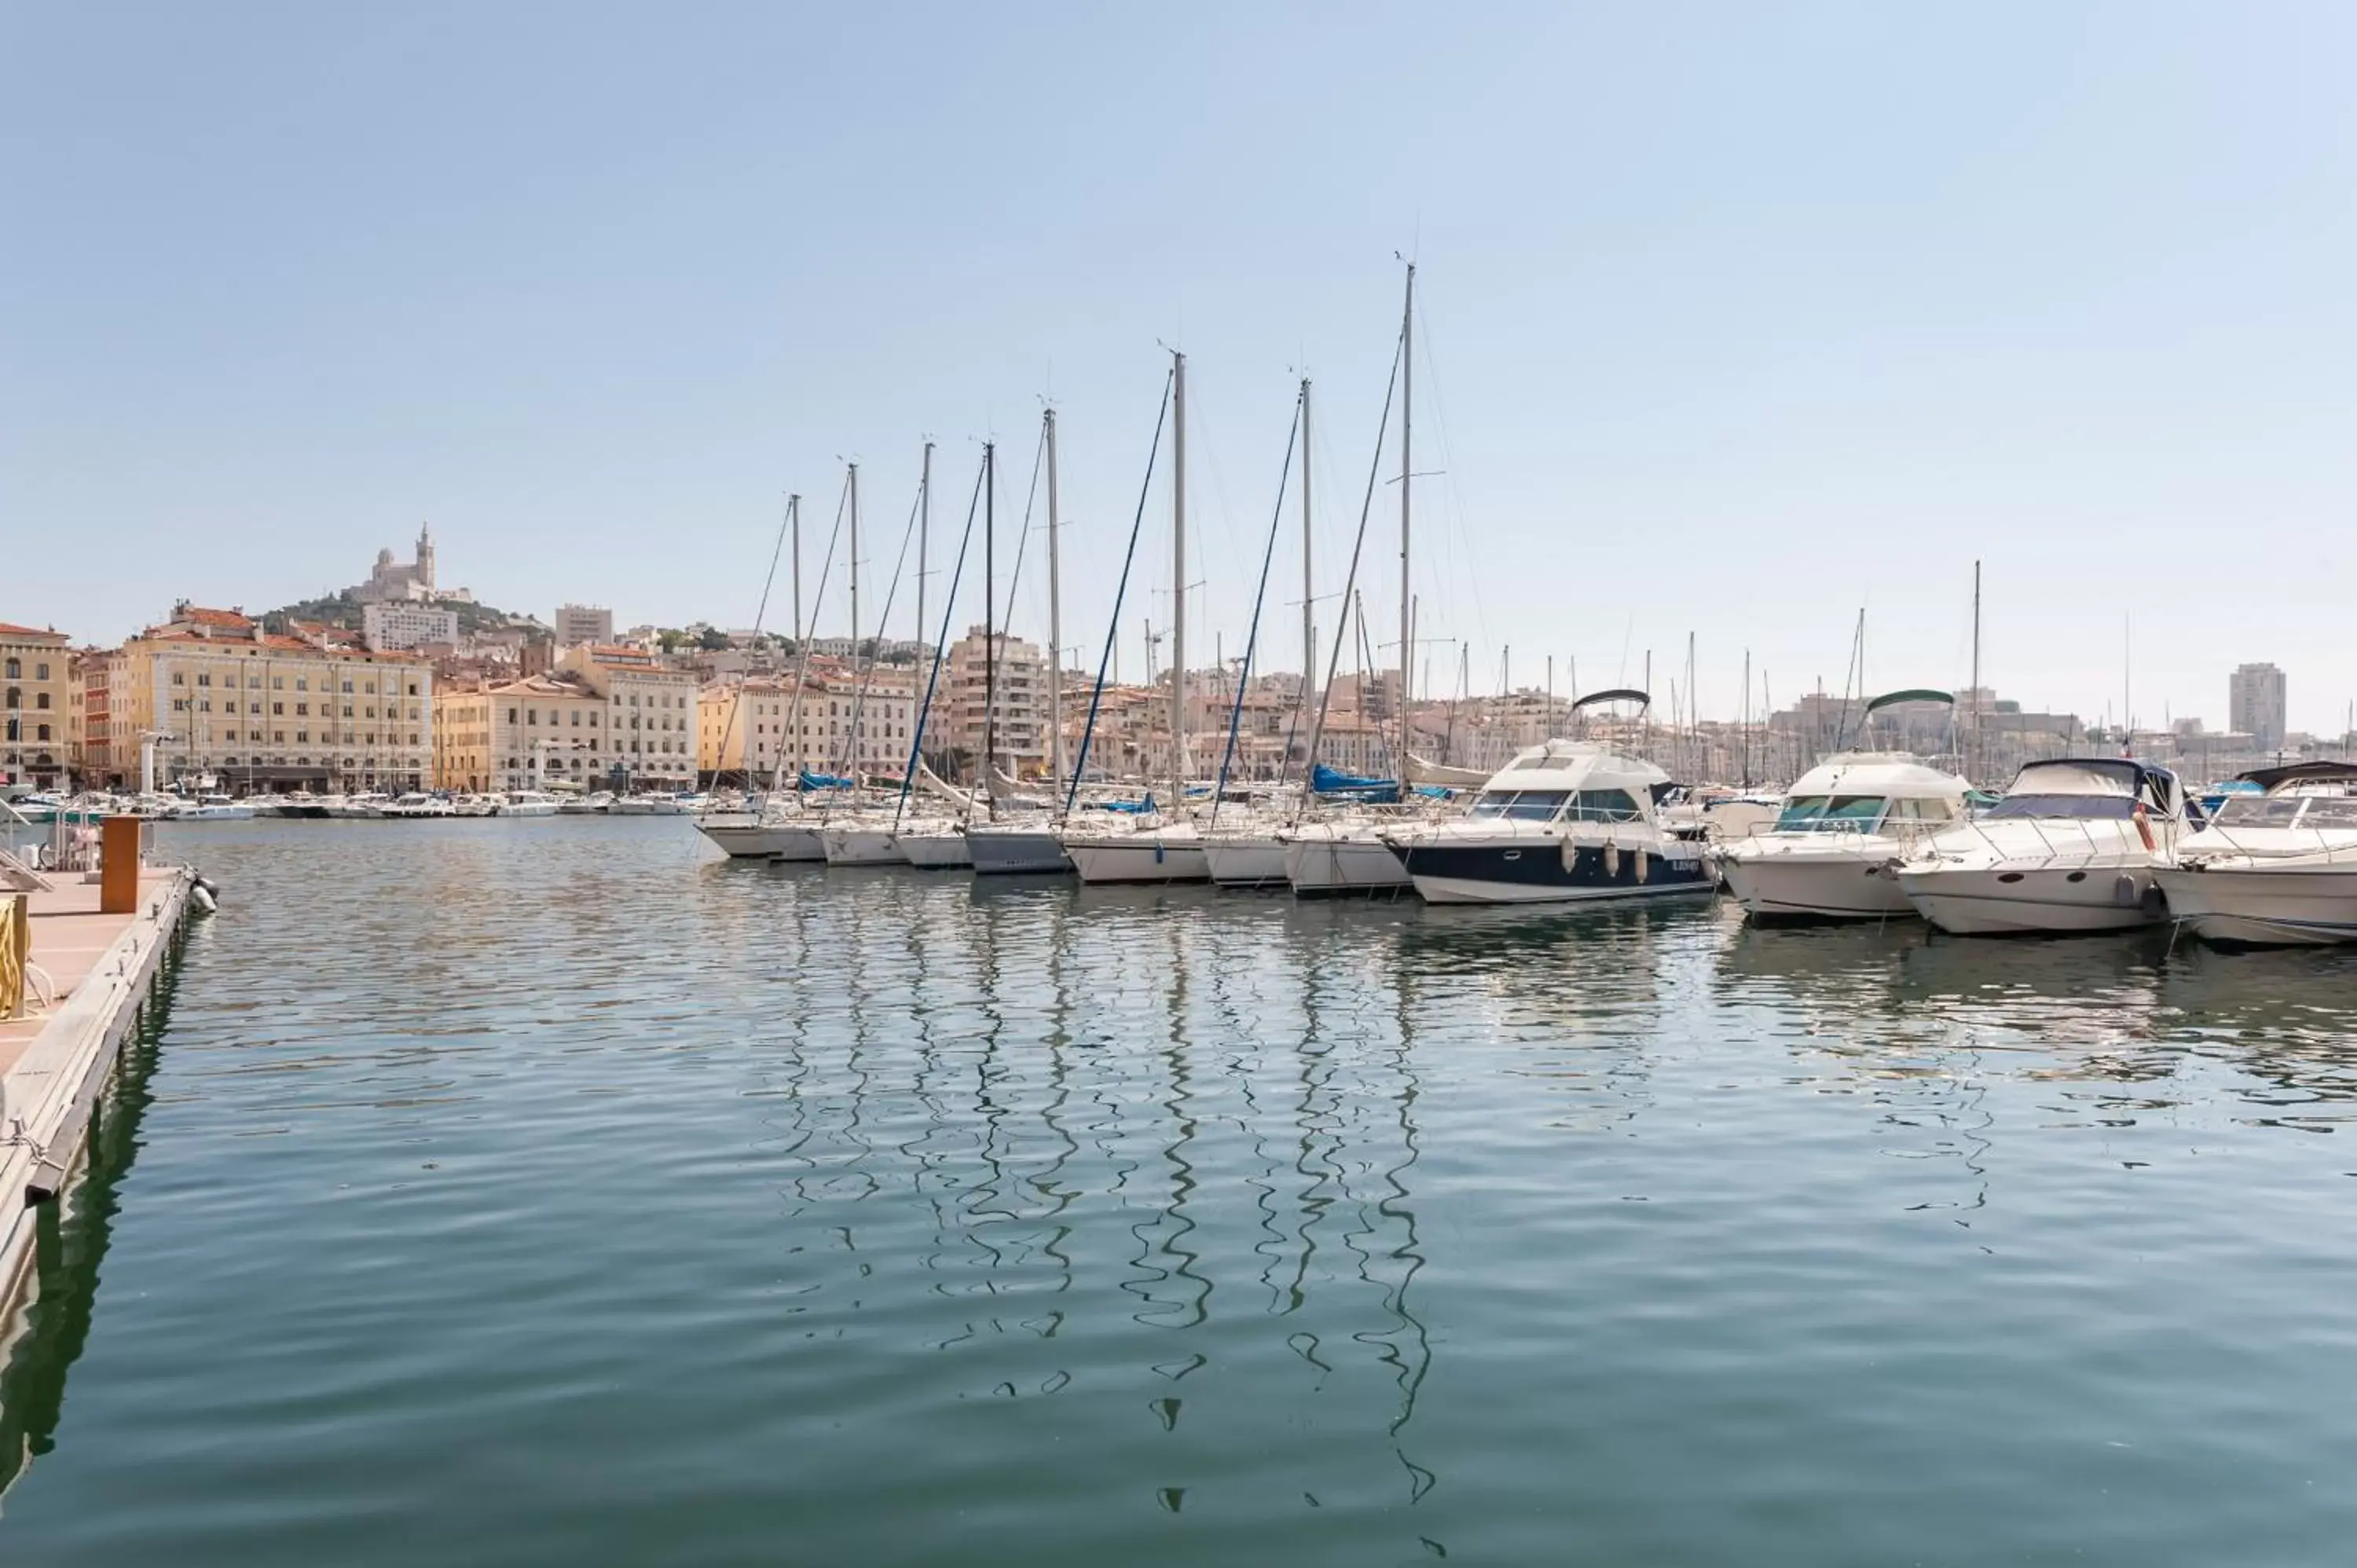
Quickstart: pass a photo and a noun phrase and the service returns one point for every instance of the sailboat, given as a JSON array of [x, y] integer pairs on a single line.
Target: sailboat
[[1347, 855], [1244, 851], [1018, 839], [770, 828], [1153, 845]]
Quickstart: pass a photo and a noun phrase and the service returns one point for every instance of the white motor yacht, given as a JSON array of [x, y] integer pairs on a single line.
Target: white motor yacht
[[2073, 846], [530, 803], [1827, 853], [1564, 821], [476, 806], [2273, 869], [416, 804], [215, 808]]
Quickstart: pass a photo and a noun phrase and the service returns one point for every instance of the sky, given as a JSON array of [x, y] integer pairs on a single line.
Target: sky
[[1733, 321]]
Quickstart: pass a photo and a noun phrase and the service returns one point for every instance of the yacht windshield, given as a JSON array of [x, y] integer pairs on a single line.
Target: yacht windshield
[[2257, 811], [2091, 807], [1832, 814], [1522, 805]]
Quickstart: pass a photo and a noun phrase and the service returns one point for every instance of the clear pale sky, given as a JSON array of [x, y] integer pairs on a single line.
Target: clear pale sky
[[1737, 318]]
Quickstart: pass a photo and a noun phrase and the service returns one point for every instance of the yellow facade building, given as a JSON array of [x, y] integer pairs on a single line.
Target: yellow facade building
[[650, 708], [529, 734], [35, 706], [231, 706]]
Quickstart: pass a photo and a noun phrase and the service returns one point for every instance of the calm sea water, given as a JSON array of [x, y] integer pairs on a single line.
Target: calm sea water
[[553, 1193]]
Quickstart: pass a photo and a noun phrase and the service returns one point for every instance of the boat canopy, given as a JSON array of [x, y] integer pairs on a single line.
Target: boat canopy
[[1422, 771], [1326, 780], [1894, 773], [2273, 779], [2121, 778], [1912, 695], [826, 781], [1128, 808]]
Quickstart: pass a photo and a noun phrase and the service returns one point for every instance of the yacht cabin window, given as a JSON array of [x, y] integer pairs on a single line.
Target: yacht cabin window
[[1831, 813], [1521, 805]]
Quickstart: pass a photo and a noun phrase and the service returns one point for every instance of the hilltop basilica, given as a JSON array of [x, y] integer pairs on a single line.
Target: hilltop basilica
[[389, 582]]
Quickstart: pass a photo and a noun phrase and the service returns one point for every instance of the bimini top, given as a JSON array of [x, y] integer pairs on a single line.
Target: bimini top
[[2105, 787], [2272, 779], [1896, 773]]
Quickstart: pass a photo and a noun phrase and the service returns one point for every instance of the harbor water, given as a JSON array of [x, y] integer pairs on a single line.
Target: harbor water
[[553, 1192]]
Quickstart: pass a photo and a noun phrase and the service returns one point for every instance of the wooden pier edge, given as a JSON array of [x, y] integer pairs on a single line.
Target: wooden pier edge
[[47, 1099]]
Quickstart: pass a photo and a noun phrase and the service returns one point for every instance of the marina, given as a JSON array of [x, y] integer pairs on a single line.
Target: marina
[[1177, 1222]]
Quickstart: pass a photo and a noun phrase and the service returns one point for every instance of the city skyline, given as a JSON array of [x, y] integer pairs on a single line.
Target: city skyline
[[1736, 369]]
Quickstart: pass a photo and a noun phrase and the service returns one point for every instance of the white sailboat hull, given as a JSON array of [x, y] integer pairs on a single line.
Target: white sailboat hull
[[861, 846], [755, 840], [944, 851], [1144, 858], [1242, 861], [1319, 864]]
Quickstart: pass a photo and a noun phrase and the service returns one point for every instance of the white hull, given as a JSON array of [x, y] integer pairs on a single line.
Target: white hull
[[1144, 858], [1833, 887], [1975, 903], [2265, 907], [644, 806], [1321, 864], [529, 809], [943, 850], [1242, 862], [753, 841], [1469, 890], [860, 846]]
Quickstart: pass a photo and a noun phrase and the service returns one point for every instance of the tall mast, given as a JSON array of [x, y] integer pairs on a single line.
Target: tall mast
[[924, 531], [801, 658], [989, 611], [1408, 613], [854, 564], [794, 524], [1975, 742], [1308, 604], [1178, 581], [1055, 622]]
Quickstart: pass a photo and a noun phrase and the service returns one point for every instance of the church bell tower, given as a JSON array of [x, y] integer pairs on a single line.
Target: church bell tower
[[424, 556]]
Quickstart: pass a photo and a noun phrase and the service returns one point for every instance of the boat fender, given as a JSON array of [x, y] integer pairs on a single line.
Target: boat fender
[[201, 894], [1641, 865], [2144, 828], [1570, 856], [2155, 902], [1612, 862], [2124, 892]]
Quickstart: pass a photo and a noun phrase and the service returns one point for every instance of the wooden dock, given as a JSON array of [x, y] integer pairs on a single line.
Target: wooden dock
[[58, 1059]]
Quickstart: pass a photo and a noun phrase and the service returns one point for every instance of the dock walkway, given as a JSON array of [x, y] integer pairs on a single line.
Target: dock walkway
[[56, 1061]]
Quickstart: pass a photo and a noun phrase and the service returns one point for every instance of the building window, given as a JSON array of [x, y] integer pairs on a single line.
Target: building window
[[40, 671], [15, 669], [40, 699]]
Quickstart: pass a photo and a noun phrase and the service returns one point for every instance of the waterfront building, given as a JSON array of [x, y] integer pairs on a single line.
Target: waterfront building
[[228, 704], [1018, 701], [36, 688], [650, 707], [2254, 704], [842, 731], [399, 626], [740, 727], [522, 734], [583, 623]]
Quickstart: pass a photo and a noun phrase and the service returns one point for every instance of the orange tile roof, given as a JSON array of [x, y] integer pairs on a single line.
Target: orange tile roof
[[9, 628], [214, 618]]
